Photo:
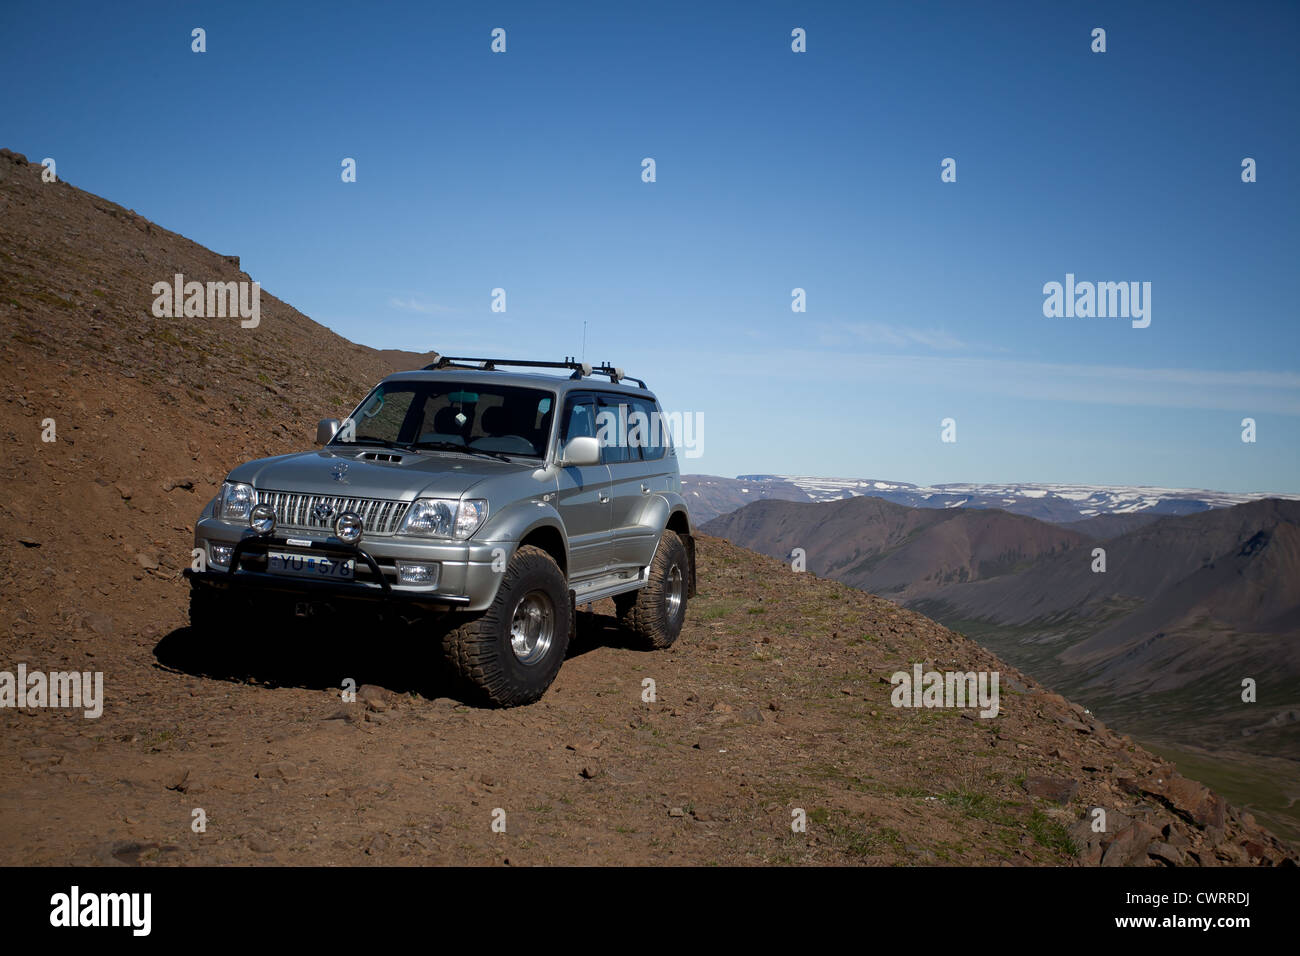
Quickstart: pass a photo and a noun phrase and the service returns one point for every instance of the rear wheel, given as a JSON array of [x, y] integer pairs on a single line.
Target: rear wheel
[[509, 654], [655, 613]]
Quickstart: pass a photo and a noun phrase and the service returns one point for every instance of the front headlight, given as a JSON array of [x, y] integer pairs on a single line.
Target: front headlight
[[444, 517], [236, 501]]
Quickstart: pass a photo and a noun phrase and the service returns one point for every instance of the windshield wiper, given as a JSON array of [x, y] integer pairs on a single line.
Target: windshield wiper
[[499, 455], [440, 446]]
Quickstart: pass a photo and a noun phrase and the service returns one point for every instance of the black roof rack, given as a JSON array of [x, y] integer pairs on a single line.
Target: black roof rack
[[580, 369]]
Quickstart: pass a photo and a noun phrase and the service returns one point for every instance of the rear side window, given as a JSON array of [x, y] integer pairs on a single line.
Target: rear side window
[[612, 422], [646, 429]]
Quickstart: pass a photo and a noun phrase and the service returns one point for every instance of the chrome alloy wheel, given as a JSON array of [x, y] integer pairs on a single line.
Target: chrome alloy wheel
[[532, 627], [676, 592]]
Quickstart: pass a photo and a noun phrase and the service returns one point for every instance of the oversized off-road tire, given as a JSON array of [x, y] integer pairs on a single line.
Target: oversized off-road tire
[[655, 613], [509, 654]]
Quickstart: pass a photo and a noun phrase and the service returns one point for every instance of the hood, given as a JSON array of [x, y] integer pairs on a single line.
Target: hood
[[413, 475]]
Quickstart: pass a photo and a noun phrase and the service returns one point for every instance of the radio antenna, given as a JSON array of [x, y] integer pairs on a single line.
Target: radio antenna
[[584, 340]]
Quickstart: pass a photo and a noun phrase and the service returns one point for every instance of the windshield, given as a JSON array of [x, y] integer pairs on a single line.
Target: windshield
[[450, 416]]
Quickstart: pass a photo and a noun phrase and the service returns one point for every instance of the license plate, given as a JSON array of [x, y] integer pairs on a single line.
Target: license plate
[[310, 566]]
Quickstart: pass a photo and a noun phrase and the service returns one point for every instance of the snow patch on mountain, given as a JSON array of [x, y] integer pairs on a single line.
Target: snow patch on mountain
[[1044, 500]]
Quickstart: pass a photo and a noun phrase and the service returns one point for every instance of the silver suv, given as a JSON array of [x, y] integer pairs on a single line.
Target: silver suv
[[493, 503]]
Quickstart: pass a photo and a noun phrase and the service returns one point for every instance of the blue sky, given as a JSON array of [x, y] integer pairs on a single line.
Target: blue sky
[[775, 170]]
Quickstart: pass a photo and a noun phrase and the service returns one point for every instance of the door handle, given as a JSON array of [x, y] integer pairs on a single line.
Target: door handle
[[645, 489], [604, 498]]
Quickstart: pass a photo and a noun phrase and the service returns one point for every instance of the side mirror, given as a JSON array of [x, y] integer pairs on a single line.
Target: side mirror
[[581, 451], [326, 430]]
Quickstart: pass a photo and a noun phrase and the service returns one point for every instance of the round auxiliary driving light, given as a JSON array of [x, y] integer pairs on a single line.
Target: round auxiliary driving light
[[262, 519], [348, 527]]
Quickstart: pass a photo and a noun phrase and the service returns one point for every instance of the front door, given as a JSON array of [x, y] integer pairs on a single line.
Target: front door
[[583, 495]]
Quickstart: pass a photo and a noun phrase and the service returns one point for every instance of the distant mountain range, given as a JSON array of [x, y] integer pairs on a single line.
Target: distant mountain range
[[892, 550], [1188, 606], [710, 496]]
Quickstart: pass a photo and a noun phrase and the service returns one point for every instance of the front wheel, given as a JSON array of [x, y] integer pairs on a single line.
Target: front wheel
[[509, 654], [655, 613]]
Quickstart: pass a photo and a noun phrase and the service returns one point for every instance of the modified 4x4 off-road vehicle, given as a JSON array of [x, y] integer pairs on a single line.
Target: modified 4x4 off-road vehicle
[[499, 501]]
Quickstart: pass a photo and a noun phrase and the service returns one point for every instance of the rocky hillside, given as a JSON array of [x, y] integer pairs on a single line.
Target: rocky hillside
[[1159, 643], [774, 706], [149, 413]]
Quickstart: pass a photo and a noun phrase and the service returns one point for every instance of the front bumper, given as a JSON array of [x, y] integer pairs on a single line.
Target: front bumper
[[466, 577]]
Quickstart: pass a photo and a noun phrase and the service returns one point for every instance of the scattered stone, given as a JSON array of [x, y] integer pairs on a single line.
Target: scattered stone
[[42, 758], [1129, 845], [259, 842], [1254, 849], [128, 852], [1058, 789], [1175, 837], [99, 623], [1164, 853], [1191, 800], [283, 770], [374, 698], [1231, 853]]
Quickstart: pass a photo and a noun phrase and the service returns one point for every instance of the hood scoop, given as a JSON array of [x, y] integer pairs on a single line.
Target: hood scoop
[[387, 456]]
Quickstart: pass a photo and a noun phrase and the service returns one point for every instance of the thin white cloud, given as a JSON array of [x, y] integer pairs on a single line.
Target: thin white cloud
[[885, 333], [1244, 391], [415, 305]]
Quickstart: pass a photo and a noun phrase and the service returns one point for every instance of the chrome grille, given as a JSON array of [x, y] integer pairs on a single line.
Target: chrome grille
[[293, 510]]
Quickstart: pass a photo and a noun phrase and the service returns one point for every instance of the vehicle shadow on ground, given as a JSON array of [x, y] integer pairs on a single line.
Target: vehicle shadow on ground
[[595, 631], [315, 656]]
